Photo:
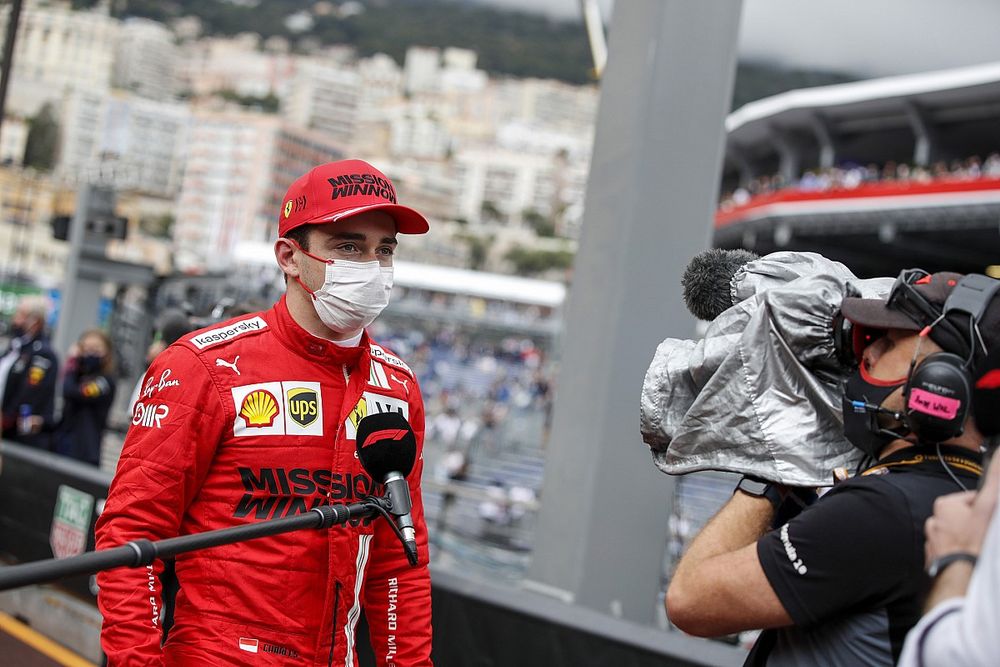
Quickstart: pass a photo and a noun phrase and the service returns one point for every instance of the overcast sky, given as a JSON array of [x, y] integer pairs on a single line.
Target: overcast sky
[[867, 37]]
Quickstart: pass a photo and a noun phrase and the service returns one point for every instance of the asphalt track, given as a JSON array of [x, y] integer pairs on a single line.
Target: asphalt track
[[22, 646]]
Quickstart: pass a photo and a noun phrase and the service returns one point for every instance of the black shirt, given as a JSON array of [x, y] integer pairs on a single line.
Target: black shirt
[[850, 569]]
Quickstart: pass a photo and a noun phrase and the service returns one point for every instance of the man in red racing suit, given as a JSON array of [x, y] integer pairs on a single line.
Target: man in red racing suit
[[254, 419]]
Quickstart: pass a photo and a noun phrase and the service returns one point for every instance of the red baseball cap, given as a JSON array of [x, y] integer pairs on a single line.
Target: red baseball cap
[[337, 190]]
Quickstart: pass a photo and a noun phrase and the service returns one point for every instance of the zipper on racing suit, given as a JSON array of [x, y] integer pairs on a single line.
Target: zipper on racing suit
[[333, 637], [336, 594]]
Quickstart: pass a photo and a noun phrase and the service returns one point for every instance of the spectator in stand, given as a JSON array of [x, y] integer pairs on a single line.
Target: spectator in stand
[[445, 427], [494, 511], [28, 370], [88, 390], [991, 167], [453, 468], [851, 176]]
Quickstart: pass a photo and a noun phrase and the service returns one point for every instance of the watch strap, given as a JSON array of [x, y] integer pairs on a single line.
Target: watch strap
[[939, 564], [760, 488]]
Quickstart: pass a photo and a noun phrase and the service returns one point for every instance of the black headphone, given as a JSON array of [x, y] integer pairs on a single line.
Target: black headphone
[[938, 390]]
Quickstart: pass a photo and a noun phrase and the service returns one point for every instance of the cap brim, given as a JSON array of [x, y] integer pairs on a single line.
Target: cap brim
[[408, 221], [873, 313]]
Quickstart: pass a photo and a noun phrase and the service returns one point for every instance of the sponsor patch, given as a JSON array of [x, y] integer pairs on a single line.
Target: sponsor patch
[[372, 403], [303, 405], [150, 415], [222, 334], [259, 408], [391, 359], [94, 388], [41, 362], [278, 408], [249, 645], [229, 364], [35, 375], [402, 381], [298, 204], [155, 386], [70, 522]]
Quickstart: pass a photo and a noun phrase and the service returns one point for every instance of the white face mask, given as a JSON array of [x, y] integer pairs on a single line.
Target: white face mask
[[353, 293]]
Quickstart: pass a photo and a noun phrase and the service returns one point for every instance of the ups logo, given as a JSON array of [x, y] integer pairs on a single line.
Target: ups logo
[[303, 405]]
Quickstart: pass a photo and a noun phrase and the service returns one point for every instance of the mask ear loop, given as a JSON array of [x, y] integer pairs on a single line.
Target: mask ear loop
[[308, 254]]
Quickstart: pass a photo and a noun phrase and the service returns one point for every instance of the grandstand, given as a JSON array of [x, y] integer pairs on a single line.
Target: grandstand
[[880, 174]]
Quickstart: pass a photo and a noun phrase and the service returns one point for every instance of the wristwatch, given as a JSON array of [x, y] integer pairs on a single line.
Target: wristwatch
[[938, 565], [760, 488]]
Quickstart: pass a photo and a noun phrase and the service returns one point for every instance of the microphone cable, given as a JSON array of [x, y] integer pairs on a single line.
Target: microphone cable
[[376, 504]]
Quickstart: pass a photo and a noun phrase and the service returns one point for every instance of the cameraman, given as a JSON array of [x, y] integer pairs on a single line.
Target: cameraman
[[959, 628], [842, 582]]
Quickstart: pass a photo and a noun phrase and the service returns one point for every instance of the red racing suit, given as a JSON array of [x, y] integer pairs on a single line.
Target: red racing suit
[[250, 420]]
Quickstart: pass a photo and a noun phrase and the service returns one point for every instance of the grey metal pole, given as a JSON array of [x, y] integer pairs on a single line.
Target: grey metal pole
[[8, 55], [651, 196], [65, 327]]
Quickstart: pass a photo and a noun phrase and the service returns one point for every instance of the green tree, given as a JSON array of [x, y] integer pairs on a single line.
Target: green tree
[[530, 262], [478, 249], [267, 103], [490, 211], [43, 140], [159, 226], [542, 225]]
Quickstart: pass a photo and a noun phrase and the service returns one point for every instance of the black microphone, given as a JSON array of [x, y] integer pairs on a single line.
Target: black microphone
[[707, 281], [387, 448]]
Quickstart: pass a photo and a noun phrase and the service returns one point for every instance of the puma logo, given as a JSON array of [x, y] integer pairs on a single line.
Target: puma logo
[[402, 382], [223, 362]]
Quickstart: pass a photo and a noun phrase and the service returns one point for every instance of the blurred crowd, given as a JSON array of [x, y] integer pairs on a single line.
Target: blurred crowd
[[52, 404], [852, 176], [474, 307], [471, 384]]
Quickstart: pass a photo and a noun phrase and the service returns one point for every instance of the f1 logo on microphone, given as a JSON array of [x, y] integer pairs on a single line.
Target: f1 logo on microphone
[[385, 434]]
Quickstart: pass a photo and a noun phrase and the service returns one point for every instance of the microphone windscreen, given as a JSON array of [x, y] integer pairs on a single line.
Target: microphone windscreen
[[707, 281], [386, 443]]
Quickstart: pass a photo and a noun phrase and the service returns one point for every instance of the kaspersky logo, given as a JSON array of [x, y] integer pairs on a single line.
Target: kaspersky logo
[[259, 408]]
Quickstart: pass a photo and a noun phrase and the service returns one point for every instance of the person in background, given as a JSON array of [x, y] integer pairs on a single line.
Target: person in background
[[88, 389], [228, 411], [842, 582], [28, 370], [173, 324], [963, 557]]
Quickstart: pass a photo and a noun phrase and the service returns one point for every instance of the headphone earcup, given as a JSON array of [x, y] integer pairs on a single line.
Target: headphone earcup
[[937, 397]]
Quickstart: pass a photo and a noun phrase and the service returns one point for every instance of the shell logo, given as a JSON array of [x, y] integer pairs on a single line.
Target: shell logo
[[259, 408], [288, 208]]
